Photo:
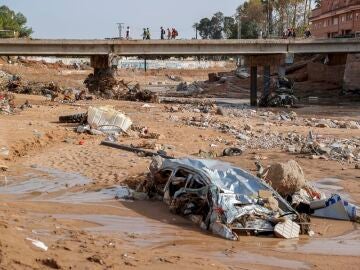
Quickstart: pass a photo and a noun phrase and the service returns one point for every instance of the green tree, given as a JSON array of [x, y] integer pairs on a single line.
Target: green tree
[[217, 26], [211, 28], [230, 28], [253, 18], [204, 28], [9, 20]]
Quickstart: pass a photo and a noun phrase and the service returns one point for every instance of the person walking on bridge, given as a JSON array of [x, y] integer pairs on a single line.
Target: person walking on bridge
[[168, 34], [144, 35], [174, 33], [162, 33], [148, 36], [128, 33]]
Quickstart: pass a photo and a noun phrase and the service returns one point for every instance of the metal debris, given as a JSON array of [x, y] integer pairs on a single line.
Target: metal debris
[[217, 196]]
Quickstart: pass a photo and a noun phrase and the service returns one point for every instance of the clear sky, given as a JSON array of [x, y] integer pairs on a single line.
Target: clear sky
[[98, 18]]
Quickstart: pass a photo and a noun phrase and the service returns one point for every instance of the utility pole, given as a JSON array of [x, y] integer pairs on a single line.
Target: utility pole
[[239, 59], [196, 26], [239, 26], [120, 27], [268, 18]]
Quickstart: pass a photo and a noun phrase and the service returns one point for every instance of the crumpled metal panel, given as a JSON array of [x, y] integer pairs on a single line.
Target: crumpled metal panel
[[226, 177], [234, 196], [222, 174]]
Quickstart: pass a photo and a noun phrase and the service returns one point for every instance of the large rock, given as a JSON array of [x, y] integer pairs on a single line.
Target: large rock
[[286, 178]]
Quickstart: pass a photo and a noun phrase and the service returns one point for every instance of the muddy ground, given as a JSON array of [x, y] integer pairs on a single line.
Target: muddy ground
[[58, 190]]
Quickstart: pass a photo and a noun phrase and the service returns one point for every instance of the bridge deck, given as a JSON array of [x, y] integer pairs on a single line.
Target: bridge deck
[[46, 47]]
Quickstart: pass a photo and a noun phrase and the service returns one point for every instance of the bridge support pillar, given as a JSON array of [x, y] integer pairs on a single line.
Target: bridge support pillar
[[267, 77], [102, 82], [253, 86], [100, 61], [266, 60]]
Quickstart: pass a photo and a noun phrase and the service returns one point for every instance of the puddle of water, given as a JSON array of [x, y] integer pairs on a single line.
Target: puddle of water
[[328, 184], [103, 195], [331, 186], [46, 180], [252, 258], [151, 231], [115, 224], [346, 245]]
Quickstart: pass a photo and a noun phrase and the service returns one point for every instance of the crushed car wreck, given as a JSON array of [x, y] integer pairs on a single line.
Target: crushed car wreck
[[221, 198]]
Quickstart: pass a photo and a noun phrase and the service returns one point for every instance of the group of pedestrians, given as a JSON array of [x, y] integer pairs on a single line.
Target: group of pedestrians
[[289, 33], [146, 35], [307, 33], [168, 34]]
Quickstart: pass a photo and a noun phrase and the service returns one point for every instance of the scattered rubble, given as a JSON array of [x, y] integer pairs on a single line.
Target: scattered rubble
[[137, 94], [250, 137], [289, 180], [192, 88], [282, 96], [174, 78], [7, 105], [103, 83], [51, 90]]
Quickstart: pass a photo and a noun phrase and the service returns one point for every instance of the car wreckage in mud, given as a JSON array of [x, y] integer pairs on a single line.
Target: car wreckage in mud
[[229, 201], [221, 198]]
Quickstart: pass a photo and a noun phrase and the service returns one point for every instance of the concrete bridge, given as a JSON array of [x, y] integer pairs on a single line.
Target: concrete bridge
[[258, 52], [27, 47]]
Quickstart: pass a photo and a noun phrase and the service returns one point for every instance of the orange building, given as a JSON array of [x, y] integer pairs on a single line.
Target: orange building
[[336, 18]]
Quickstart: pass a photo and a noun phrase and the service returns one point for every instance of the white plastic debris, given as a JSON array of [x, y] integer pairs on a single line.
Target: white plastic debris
[[4, 151], [38, 244], [106, 118], [147, 106], [311, 233], [336, 208], [287, 230]]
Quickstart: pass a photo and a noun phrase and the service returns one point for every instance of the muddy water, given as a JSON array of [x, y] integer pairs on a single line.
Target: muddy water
[[151, 225], [331, 186], [253, 258], [347, 244], [42, 180], [103, 195], [116, 224]]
